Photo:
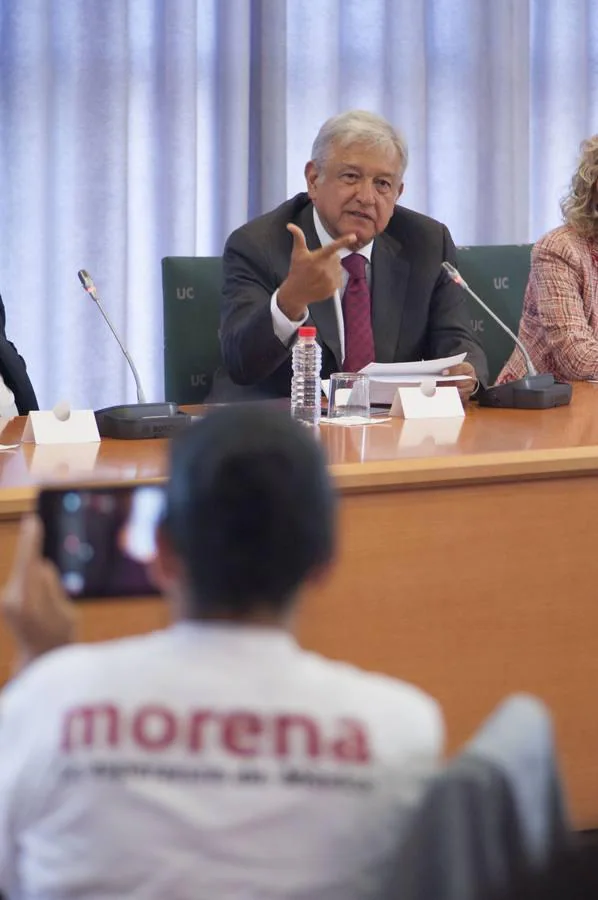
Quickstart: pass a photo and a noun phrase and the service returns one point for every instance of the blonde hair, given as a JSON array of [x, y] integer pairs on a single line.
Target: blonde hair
[[580, 205]]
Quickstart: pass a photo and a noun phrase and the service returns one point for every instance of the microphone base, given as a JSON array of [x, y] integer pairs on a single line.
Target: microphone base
[[141, 421], [531, 392]]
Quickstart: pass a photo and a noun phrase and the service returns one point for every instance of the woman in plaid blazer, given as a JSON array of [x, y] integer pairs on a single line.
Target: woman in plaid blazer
[[559, 323]]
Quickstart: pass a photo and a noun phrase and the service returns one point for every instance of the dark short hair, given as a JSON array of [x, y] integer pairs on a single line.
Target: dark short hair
[[250, 508]]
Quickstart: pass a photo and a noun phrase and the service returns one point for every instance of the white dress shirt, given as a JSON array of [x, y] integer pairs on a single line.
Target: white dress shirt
[[284, 328], [206, 761]]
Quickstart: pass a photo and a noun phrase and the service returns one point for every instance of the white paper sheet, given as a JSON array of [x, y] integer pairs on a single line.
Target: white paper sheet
[[417, 379], [423, 367]]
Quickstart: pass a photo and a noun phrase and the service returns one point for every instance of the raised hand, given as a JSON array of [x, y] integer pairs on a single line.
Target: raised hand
[[314, 275]]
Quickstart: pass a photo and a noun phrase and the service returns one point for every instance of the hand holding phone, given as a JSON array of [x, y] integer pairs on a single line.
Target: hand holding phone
[[35, 606]]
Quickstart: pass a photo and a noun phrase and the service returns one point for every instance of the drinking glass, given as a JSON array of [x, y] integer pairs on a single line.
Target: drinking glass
[[349, 395]]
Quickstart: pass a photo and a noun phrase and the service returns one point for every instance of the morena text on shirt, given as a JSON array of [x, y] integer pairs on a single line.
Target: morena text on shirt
[[154, 728]]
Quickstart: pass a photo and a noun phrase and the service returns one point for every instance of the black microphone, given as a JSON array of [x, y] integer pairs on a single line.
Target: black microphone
[[140, 420], [532, 392]]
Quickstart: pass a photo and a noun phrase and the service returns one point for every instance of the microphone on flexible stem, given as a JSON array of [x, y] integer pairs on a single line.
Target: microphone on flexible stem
[[140, 420], [531, 392], [90, 288]]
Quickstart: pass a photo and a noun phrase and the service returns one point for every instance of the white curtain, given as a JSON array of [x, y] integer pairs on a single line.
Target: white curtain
[[135, 129]]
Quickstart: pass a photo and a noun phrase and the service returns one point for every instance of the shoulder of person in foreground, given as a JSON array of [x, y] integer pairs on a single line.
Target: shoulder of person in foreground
[[71, 666], [397, 710]]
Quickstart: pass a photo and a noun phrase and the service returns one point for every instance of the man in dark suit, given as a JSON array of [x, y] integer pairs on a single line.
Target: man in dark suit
[[13, 372], [366, 272]]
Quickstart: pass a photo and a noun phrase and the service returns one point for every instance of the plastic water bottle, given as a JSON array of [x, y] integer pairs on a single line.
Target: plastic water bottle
[[306, 384]]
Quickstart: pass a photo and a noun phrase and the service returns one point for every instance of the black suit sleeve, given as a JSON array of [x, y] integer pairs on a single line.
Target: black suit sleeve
[[449, 326], [250, 349], [14, 371]]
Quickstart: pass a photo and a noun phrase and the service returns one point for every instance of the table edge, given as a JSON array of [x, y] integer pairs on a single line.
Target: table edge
[[397, 474]]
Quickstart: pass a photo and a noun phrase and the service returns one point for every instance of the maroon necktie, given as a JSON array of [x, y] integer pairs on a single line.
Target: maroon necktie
[[357, 315]]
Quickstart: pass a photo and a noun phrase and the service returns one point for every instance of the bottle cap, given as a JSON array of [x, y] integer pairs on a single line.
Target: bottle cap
[[307, 331]]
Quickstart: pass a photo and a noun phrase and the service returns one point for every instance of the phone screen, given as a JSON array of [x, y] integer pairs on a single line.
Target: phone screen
[[102, 539]]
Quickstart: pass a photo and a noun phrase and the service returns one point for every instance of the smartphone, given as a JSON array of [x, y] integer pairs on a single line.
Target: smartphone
[[102, 538]]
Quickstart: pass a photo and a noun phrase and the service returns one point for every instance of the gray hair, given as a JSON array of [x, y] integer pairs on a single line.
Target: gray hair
[[580, 205], [358, 127]]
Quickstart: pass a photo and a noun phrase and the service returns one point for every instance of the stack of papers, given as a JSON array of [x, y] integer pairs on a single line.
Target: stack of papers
[[385, 378]]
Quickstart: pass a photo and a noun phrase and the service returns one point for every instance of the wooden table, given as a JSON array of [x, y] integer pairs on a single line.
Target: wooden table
[[467, 561]]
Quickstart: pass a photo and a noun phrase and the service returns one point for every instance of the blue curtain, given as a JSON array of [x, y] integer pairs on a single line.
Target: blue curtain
[[135, 129]]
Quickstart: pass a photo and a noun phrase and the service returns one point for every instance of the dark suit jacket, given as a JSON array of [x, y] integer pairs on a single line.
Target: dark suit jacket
[[417, 313], [14, 371]]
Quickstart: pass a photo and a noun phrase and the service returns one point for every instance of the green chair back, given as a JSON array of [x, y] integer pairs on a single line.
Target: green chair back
[[191, 288], [499, 276]]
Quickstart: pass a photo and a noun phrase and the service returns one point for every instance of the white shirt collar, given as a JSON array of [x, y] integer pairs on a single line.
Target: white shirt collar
[[325, 239], [237, 633]]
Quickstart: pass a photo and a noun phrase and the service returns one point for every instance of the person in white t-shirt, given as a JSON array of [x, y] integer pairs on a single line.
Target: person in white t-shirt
[[215, 758]]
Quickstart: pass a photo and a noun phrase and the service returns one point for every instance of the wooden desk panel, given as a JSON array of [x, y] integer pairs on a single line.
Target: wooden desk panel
[[419, 593], [467, 567]]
